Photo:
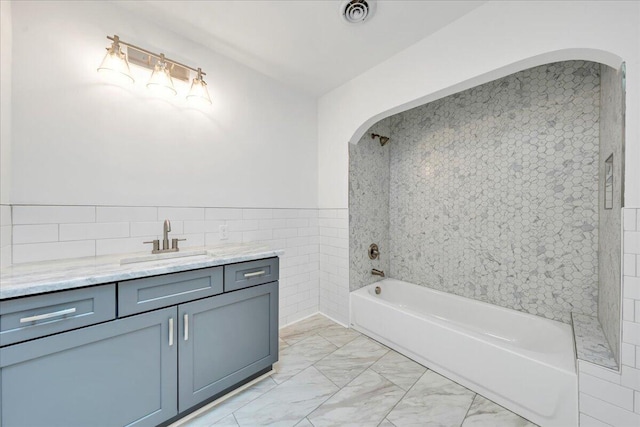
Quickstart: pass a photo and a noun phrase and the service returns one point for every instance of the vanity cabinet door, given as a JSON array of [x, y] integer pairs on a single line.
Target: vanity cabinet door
[[123, 372], [224, 340]]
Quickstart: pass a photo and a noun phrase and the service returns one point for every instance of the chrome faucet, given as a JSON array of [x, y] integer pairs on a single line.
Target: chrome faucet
[[165, 241], [377, 272]]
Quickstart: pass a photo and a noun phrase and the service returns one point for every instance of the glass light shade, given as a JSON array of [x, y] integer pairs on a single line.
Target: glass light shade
[[115, 62], [160, 80], [198, 92]]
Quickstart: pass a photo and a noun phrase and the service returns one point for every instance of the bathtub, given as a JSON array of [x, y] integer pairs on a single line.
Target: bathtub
[[523, 362]]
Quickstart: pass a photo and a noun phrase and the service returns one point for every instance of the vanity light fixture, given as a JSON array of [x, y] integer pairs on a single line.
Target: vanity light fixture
[[164, 69]]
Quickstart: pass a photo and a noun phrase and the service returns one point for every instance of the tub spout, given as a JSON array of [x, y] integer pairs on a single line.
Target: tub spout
[[377, 272]]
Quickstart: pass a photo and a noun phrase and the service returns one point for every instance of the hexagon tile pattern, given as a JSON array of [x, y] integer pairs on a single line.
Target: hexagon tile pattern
[[494, 191]]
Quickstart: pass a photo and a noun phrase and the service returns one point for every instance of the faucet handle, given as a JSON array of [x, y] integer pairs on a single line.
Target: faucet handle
[[156, 245], [174, 243]]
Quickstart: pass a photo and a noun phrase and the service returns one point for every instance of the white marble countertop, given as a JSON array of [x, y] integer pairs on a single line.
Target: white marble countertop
[[35, 278]]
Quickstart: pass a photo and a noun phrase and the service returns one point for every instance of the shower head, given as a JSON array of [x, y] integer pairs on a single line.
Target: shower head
[[383, 139]]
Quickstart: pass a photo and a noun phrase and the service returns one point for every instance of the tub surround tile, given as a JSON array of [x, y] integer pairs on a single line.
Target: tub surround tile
[[304, 423], [399, 369], [433, 401], [349, 361], [591, 344], [299, 356], [485, 413], [289, 402], [364, 401], [386, 423], [493, 193], [29, 279]]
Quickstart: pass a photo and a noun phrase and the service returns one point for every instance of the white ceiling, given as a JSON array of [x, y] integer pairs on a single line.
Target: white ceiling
[[304, 43]]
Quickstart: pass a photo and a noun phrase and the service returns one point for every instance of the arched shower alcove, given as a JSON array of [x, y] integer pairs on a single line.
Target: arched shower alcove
[[494, 189]]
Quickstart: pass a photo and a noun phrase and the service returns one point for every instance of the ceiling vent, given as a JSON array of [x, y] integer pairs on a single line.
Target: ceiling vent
[[357, 11]]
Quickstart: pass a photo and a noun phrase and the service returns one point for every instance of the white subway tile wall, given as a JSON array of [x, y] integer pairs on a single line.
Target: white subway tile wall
[[334, 263], [5, 235], [42, 233], [610, 398]]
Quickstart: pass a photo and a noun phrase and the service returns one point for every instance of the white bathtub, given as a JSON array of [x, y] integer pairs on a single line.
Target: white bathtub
[[520, 361]]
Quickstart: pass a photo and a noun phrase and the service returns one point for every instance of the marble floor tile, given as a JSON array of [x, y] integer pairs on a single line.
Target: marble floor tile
[[399, 369], [282, 344], [432, 401], [349, 361], [356, 381], [338, 334], [298, 331], [299, 356], [485, 413], [227, 407], [228, 421], [288, 403], [364, 401]]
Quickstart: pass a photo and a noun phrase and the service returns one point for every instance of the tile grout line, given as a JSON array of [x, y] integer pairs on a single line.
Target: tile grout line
[[404, 395], [466, 414]]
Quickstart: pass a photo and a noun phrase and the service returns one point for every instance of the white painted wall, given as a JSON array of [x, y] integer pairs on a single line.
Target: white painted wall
[[78, 140], [5, 102], [497, 39]]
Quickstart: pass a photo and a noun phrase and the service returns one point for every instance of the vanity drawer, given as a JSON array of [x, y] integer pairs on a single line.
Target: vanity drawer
[[150, 293], [251, 273], [32, 317]]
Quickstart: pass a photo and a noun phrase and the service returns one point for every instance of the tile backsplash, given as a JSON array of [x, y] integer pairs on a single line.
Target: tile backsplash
[[5, 235], [42, 233]]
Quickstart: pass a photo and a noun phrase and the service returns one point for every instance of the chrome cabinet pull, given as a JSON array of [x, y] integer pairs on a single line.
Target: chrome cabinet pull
[[170, 331], [186, 327], [254, 274], [47, 315]]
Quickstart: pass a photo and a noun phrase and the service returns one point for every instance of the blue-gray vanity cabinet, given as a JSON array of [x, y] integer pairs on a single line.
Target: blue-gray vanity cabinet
[[122, 372], [226, 339]]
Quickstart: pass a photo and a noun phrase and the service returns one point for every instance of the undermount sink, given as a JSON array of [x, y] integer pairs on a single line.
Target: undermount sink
[[158, 257]]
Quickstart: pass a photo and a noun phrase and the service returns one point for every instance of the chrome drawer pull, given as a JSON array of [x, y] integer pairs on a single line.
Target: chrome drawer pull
[[47, 315], [170, 331], [254, 274], [186, 327]]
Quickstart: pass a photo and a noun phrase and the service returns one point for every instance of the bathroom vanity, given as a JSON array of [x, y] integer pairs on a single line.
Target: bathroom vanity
[[138, 351]]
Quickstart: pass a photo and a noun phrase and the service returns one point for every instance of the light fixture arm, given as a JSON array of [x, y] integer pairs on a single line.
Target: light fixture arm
[[116, 42]]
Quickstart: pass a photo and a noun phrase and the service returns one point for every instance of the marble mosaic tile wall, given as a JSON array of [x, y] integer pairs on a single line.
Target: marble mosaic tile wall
[[609, 234], [368, 206], [494, 191], [43, 233]]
